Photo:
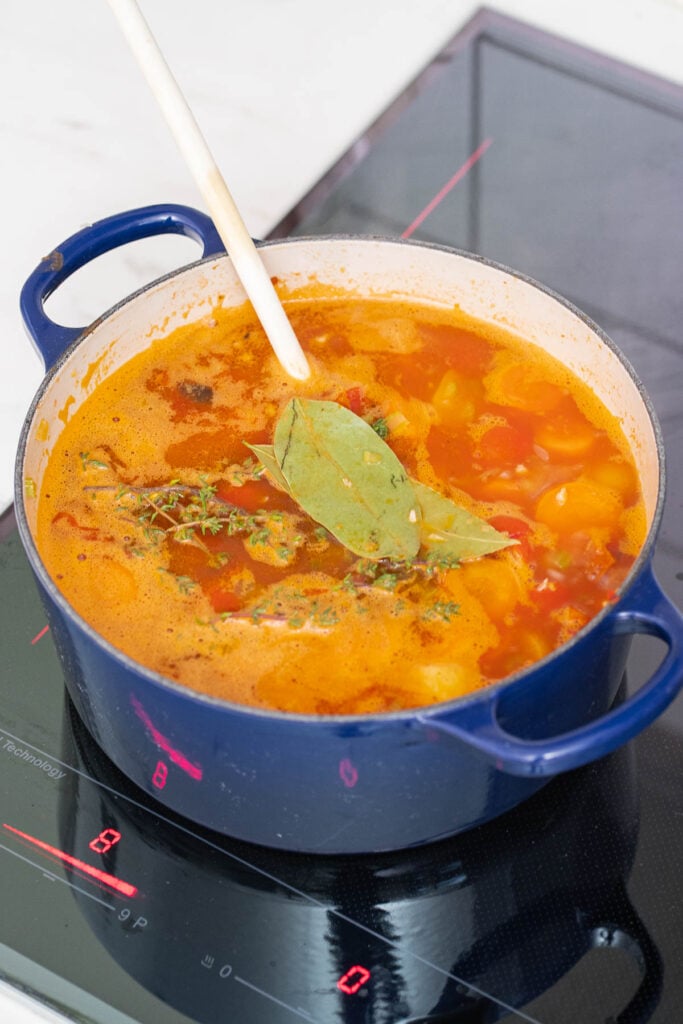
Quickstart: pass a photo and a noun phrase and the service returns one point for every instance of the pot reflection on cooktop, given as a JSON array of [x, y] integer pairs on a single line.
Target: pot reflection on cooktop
[[463, 930]]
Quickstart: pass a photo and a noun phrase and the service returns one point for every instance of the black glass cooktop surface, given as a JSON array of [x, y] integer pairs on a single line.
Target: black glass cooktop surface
[[568, 910]]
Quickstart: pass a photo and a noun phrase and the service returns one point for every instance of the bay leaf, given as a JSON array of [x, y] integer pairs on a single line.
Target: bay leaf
[[265, 453], [348, 479], [450, 532]]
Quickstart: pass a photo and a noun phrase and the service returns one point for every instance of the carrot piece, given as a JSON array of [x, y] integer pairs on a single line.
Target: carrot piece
[[567, 435], [518, 386]]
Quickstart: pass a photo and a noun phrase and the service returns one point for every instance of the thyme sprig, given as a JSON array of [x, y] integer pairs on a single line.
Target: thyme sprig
[[390, 574], [186, 514]]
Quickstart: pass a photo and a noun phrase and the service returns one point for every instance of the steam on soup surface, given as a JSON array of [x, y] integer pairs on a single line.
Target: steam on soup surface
[[503, 506]]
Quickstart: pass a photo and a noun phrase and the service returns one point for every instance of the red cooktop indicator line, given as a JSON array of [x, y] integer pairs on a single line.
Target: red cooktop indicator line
[[40, 635], [193, 770], [117, 884], [451, 183]]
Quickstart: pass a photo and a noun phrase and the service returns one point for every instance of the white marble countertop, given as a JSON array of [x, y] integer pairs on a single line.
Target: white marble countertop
[[280, 89]]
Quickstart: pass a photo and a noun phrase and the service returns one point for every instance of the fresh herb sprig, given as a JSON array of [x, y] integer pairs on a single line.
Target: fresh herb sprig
[[187, 514]]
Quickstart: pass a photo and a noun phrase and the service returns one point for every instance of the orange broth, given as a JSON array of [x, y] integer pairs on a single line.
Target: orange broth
[[167, 536]]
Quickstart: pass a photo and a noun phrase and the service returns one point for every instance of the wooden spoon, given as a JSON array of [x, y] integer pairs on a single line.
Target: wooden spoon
[[229, 223]]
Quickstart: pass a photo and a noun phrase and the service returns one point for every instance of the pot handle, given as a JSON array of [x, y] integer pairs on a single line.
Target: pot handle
[[476, 724], [166, 218]]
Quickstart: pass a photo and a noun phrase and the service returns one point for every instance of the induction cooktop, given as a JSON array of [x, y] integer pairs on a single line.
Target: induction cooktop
[[568, 910]]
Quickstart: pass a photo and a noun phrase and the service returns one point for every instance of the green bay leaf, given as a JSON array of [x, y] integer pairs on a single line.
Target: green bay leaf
[[450, 532], [265, 453], [348, 479]]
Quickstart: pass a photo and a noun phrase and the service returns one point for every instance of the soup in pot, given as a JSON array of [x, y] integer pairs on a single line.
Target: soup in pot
[[439, 505]]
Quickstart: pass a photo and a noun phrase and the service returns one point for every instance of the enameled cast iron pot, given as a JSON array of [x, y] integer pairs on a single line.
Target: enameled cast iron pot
[[344, 784]]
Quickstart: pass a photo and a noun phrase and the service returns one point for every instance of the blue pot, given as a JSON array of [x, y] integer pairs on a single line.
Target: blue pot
[[344, 784]]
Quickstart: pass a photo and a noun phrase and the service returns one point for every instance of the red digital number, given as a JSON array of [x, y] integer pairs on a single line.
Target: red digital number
[[354, 979], [160, 775], [348, 773], [105, 840]]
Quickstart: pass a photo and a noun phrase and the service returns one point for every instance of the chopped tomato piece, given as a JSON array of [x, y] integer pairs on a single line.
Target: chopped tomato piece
[[516, 529], [355, 399], [566, 434]]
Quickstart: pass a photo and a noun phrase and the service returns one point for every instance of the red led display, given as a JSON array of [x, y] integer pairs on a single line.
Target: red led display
[[451, 183], [160, 775], [104, 841], [163, 743], [117, 884], [354, 979], [39, 636]]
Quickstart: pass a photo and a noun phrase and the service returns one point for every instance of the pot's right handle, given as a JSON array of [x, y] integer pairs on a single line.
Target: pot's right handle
[[166, 218], [645, 609]]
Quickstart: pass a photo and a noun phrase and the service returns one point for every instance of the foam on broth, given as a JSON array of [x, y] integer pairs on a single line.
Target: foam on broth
[[309, 630]]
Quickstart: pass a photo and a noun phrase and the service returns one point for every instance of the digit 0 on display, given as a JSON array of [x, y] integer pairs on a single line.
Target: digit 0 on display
[[353, 979]]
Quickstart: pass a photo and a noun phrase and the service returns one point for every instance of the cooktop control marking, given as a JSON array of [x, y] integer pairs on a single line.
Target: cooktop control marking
[[117, 884], [443, 192], [55, 878], [294, 1009]]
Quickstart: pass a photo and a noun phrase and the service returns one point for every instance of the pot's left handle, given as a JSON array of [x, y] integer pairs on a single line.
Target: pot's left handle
[[166, 218], [647, 610]]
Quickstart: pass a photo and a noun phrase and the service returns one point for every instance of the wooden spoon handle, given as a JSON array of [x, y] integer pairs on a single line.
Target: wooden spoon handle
[[229, 223]]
